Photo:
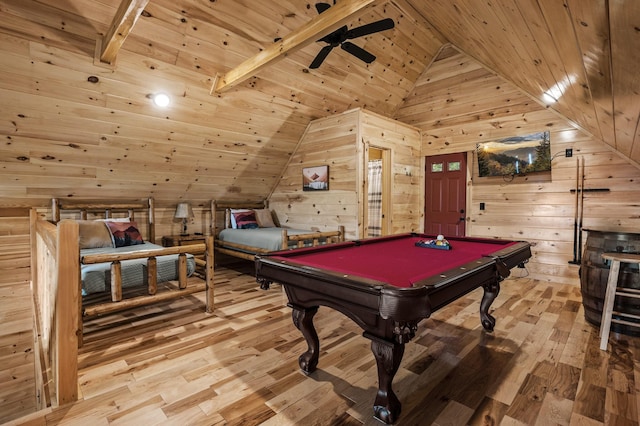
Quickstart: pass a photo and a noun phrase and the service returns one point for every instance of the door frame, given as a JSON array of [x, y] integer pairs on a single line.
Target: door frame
[[386, 154]]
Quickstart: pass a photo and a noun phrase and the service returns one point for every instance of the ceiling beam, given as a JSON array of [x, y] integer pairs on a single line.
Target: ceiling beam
[[124, 20], [323, 24]]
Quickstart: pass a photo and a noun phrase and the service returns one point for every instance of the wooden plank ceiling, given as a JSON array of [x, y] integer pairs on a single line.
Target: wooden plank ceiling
[[91, 125]]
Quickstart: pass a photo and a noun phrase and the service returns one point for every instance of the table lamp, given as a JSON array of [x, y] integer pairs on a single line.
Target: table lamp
[[182, 212]]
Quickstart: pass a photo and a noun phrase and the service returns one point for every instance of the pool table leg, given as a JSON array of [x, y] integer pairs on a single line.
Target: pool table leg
[[386, 407], [303, 320], [491, 290]]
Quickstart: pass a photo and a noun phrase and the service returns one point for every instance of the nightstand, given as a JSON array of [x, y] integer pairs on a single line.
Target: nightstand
[[182, 240]]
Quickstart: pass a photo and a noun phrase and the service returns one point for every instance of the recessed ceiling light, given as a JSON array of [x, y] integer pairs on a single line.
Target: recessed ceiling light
[[161, 99]]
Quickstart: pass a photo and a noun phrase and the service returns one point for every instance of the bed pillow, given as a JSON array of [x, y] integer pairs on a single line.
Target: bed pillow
[[115, 219], [94, 234], [124, 233], [264, 218], [245, 220], [232, 213]]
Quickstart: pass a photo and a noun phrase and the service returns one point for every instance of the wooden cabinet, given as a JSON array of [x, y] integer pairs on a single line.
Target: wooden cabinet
[[182, 240]]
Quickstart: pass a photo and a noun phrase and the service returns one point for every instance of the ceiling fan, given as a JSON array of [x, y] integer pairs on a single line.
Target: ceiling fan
[[340, 36]]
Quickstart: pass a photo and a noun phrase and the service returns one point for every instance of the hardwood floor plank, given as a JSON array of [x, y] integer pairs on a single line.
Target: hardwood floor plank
[[589, 401], [554, 410], [454, 413], [489, 412]]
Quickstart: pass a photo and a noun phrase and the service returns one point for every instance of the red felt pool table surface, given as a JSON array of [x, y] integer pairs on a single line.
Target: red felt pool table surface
[[398, 262]]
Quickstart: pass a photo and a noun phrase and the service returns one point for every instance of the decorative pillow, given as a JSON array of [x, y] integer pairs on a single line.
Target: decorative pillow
[[115, 219], [245, 220], [94, 234], [124, 233], [232, 212], [264, 218]]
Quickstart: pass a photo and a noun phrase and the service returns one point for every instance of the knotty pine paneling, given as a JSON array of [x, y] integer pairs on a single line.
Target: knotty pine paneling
[[539, 210], [544, 212], [340, 141], [75, 128], [227, 145], [331, 141], [407, 180], [17, 374], [165, 222]]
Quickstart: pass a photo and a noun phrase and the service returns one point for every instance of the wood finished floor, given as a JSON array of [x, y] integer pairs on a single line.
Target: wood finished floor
[[172, 364]]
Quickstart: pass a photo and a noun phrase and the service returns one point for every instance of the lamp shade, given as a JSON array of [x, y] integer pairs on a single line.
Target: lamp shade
[[182, 211]]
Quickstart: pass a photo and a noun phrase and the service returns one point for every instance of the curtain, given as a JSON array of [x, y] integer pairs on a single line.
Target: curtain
[[375, 198]]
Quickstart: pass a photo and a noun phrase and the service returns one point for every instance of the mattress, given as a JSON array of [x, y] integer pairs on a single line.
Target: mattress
[[96, 278], [269, 239]]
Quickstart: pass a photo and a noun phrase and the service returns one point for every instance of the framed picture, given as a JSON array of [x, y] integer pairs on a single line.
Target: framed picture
[[518, 155], [315, 178]]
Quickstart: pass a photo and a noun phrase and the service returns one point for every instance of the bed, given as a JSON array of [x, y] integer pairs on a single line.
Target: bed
[[57, 287], [96, 277], [114, 256], [250, 228], [120, 269]]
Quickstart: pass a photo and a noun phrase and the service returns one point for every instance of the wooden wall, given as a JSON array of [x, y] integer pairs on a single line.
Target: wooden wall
[[457, 103], [165, 222], [74, 127], [17, 375], [341, 141], [407, 169], [331, 141]]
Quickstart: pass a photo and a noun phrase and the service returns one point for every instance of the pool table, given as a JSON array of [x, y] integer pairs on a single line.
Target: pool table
[[387, 285]]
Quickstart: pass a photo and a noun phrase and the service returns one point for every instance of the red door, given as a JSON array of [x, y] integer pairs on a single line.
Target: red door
[[445, 194]]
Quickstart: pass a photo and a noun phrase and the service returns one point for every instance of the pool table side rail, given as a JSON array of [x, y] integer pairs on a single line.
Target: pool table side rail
[[356, 297], [347, 244], [512, 256], [442, 291]]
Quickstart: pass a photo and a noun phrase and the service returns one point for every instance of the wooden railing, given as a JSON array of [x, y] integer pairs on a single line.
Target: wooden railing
[[55, 281]]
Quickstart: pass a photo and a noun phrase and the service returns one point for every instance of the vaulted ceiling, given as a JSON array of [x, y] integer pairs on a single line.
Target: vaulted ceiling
[[579, 58]]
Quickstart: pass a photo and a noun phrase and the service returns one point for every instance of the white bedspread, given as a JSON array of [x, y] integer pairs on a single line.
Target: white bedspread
[[97, 277], [264, 238]]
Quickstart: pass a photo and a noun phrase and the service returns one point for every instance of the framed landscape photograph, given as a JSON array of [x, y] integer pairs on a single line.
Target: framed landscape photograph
[[315, 178], [518, 155]]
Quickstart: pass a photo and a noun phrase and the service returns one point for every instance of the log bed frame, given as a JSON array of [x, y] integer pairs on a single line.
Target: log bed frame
[[248, 252], [56, 287]]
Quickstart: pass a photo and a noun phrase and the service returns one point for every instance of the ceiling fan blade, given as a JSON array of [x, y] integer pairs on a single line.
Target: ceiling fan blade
[[320, 57], [374, 27], [358, 52], [321, 7]]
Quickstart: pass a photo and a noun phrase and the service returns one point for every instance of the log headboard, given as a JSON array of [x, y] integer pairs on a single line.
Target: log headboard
[[224, 207], [87, 208]]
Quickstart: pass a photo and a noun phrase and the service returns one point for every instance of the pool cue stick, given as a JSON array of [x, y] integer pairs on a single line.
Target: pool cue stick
[[575, 214], [581, 213]]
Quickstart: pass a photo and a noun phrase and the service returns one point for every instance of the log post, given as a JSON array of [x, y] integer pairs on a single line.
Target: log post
[[152, 275], [116, 281]]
